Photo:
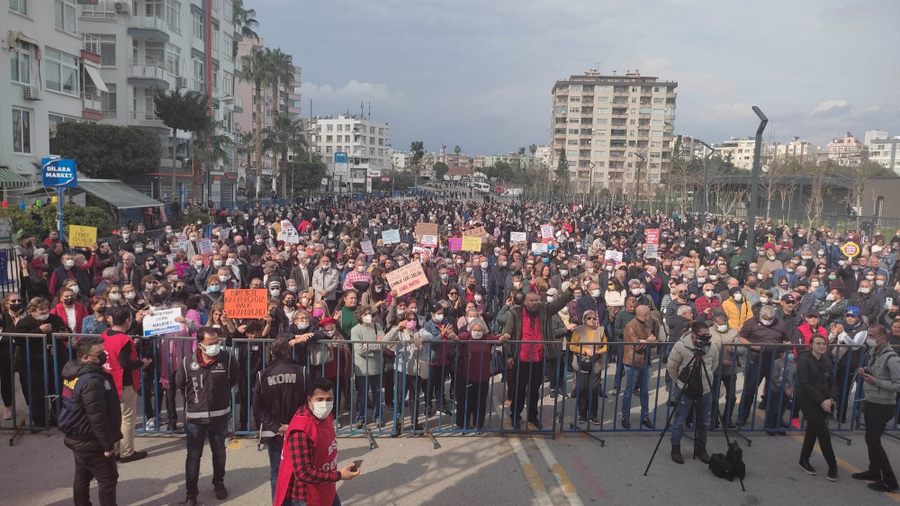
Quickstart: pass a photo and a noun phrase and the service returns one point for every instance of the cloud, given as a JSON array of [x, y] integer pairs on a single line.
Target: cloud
[[831, 108], [353, 92]]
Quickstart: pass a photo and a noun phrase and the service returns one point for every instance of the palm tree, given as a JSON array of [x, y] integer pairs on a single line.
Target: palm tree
[[188, 112], [256, 69], [284, 136], [245, 19], [282, 68]]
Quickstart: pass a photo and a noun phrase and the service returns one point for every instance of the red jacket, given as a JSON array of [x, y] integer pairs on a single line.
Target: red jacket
[[113, 342], [80, 313], [807, 333]]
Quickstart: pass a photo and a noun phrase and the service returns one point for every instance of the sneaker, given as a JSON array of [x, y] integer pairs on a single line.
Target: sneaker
[[795, 423], [867, 476], [534, 422], [138, 455], [614, 392], [880, 486], [646, 422], [150, 424], [832, 474], [221, 491], [507, 403], [810, 470]]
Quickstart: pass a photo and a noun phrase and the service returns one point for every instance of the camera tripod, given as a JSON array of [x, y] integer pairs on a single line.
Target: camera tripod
[[696, 361]]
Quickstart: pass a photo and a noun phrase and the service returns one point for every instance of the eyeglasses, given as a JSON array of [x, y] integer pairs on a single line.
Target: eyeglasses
[[590, 318]]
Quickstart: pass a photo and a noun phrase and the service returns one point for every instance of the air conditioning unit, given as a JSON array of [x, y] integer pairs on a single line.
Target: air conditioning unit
[[32, 93], [121, 7]]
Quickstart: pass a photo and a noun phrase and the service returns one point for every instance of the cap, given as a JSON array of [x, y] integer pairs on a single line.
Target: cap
[[812, 314], [324, 322], [852, 311], [788, 298]]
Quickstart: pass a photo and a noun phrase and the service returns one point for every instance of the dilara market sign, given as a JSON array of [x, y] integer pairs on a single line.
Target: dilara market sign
[[59, 173]]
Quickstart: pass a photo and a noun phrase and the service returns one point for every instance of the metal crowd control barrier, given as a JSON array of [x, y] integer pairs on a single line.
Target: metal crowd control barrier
[[443, 388]]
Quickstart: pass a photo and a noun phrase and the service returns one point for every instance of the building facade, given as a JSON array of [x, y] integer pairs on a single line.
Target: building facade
[[737, 151], [848, 151], [883, 149], [367, 144], [797, 149], [605, 123]]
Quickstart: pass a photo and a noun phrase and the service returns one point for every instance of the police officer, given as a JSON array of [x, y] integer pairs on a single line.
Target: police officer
[[91, 420], [280, 389], [207, 377]]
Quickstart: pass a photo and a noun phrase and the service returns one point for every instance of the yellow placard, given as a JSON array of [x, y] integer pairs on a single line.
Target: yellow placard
[[81, 236], [850, 249], [470, 243]]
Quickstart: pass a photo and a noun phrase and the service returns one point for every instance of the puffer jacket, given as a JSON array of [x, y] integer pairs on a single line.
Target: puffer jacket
[[90, 417], [682, 354], [884, 364]]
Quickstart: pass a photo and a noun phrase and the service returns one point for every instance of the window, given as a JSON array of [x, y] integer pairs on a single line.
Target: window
[[173, 15], [227, 10], [198, 24], [56, 119], [20, 6], [64, 16], [108, 101], [20, 64], [215, 41], [228, 81], [21, 119], [228, 44], [329, 138], [199, 76], [340, 128], [155, 54], [102, 44], [173, 59], [154, 8], [62, 72], [329, 128]]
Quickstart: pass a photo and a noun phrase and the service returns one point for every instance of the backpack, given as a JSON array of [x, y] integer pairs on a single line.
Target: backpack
[[720, 466], [735, 457], [691, 378]]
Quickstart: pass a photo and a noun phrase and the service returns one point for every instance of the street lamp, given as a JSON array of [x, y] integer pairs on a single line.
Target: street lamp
[[637, 182], [754, 185], [706, 179]]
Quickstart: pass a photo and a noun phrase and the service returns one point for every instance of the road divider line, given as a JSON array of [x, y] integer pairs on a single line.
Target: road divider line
[[565, 483], [531, 474]]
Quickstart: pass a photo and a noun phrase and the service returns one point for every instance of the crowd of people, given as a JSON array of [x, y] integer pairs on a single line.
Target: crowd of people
[[583, 293]]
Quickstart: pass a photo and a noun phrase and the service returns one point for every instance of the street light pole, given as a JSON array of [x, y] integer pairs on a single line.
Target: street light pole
[[637, 182], [754, 186], [706, 179]]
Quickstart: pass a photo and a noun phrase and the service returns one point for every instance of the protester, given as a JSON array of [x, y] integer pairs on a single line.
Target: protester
[[816, 385]]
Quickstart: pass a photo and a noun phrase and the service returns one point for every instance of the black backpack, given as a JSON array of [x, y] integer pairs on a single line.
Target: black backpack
[[730, 465], [720, 467]]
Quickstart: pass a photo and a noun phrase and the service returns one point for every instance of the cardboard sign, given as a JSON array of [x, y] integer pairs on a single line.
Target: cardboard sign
[[390, 236], [652, 235], [162, 322], [546, 231], [517, 237], [424, 253], [428, 241], [471, 243], [81, 236], [538, 248], [614, 255], [455, 243], [367, 248], [247, 303], [407, 278], [475, 232], [205, 246], [850, 249], [423, 228], [288, 233], [651, 251], [181, 236]]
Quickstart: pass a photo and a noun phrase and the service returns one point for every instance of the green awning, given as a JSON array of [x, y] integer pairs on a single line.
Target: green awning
[[117, 193], [9, 179]]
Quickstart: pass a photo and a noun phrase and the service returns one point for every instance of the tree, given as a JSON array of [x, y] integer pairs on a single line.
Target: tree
[[285, 135], [108, 151], [532, 149], [188, 112], [246, 144], [256, 69], [440, 169], [416, 152], [816, 201], [307, 176], [245, 21], [457, 150], [562, 172]]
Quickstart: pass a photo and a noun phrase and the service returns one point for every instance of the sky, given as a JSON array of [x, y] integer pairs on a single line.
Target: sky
[[479, 73]]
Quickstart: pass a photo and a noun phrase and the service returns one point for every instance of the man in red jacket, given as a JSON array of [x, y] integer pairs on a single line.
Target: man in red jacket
[[308, 471]]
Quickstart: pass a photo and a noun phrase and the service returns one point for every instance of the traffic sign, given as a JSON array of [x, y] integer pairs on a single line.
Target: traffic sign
[[59, 173], [850, 249]]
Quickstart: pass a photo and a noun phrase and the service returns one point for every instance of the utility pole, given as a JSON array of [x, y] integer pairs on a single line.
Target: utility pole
[[750, 251], [637, 181]]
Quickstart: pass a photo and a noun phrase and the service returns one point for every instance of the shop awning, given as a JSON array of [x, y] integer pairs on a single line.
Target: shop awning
[[117, 193], [9, 179], [94, 73]]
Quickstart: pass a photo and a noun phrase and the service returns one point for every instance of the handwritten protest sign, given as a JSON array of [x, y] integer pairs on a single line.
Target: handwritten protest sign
[[366, 247], [390, 236], [455, 243], [546, 231], [423, 228], [182, 245], [288, 233], [651, 247], [471, 243], [475, 232], [428, 241], [247, 303], [407, 278], [162, 322], [424, 253], [538, 247], [81, 236], [517, 237], [205, 246], [613, 255]]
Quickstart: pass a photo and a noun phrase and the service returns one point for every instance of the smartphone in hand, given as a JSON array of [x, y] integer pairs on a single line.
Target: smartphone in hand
[[357, 464]]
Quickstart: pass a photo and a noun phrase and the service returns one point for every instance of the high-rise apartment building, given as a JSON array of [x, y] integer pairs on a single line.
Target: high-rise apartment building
[[848, 151], [367, 144], [883, 149], [104, 62], [605, 124]]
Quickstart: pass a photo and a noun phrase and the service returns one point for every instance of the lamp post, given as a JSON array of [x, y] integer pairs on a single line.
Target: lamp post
[[754, 185], [637, 179], [706, 179]]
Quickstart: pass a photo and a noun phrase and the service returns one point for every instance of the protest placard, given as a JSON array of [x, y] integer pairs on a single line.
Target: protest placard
[[161, 321], [205, 246], [428, 241], [475, 232], [366, 247], [455, 243], [423, 228], [81, 236], [390, 236], [407, 278], [471, 243], [652, 235], [182, 245], [538, 247], [288, 233], [546, 231], [651, 246], [517, 237], [613, 255], [424, 253], [247, 303]]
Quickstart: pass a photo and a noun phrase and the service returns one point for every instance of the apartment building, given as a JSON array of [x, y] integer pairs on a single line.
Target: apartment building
[[367, 144], [847, 151], [691, 147], [605, 123], [797, 149], [737, 151], [883, 149]]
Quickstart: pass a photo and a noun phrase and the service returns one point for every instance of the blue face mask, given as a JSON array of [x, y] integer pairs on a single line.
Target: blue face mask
[[790, 357], [546, 260], [213, 289]]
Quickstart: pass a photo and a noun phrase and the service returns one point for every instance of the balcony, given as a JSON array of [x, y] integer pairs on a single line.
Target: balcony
[[238, 104], [147, 119], [150, 75], [148, 28]]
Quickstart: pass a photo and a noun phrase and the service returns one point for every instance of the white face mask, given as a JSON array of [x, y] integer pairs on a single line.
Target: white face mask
[[738, 297], [217, 263], [829, 297], [879, 282], [764, 300], [438, 318], [709, 293], [477, 334], [865, 290], [484, 265], [275, 292], [129, 295], [302, 326], [321, 409], [722, 328], [115, 296], [42, 317], [70, 263], [766, 322], [468, 270], [478, 297], [367, 319], [224, 278], [637, 291], [212, 350], [595, 293]]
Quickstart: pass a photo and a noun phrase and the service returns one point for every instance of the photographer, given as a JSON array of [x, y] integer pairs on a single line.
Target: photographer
[[693, 353]]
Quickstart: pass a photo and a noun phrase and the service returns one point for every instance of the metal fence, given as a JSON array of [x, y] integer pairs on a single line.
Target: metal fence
[[446, 388]]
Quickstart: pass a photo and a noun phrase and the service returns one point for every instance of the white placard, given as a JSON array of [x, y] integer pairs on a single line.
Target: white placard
[[538, 248], [612, 254], [546, 231], [288, 233], [162, 322], [517, 237]]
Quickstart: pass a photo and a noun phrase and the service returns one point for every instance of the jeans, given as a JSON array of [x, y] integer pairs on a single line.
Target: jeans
[[817, 429], [619, 352], [877, 416], [373, 385], [197, 434], [554, 373], [337, 502], [776, 404], [758, 369], [529, 377], [729, 380], [434, 388], [635, 376], [682, 411], [90, 465], [274, 445]]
